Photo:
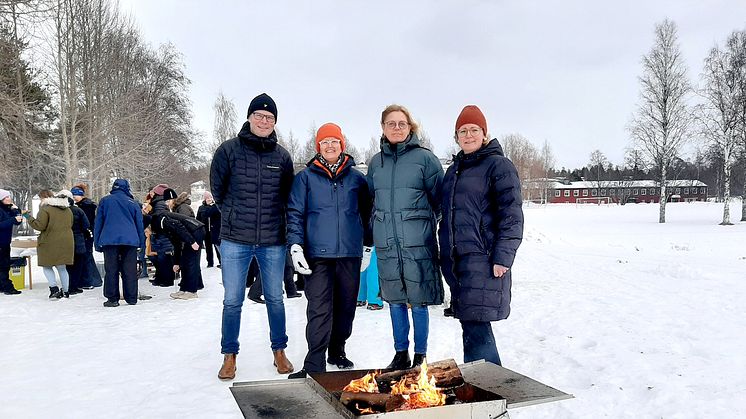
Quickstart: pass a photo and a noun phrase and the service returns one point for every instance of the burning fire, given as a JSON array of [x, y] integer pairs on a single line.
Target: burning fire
[[423, 393], [366, 384], [418, 394]]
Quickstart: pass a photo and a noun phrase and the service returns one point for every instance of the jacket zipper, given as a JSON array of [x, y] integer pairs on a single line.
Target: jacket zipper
[[393, 221], [452, 219], [259, 199]]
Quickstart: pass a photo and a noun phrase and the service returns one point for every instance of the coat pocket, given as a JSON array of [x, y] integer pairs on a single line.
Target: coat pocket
[[417, 228]]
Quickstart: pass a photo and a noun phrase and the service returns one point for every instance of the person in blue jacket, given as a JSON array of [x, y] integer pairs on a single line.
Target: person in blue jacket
[[118, 233], [328, 213], [481, 229], [10, 216]]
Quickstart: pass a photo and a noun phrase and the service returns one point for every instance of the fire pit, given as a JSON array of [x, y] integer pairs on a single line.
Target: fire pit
[[475, 390]]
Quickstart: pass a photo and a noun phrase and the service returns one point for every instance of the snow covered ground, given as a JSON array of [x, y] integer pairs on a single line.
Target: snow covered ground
[[632, 317]]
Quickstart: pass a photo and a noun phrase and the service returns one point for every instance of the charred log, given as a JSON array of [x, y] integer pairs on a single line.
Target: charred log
[[378, 401]]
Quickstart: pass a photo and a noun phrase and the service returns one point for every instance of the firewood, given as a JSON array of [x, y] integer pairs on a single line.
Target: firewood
[[381, 401], [446, 373]]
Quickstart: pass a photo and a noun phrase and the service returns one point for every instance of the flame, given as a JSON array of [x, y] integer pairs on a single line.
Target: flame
[[423, 393], [366, 384], [364, 411]]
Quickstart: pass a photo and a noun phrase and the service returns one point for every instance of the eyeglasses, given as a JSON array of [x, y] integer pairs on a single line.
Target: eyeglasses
[[326, 143], [259, 116], [394, 124], [473, 131]]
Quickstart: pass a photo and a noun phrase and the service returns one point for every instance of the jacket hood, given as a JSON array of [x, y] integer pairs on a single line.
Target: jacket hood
[[492, 148], [260, 143], [158, 205], [413, 141], [183, 198], [347, 162], [56, 202], [122, 185]]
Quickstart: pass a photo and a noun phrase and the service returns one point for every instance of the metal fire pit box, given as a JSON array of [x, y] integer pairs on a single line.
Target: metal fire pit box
[[498, 388]]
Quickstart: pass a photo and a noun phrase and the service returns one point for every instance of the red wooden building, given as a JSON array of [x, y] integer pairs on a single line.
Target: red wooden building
[[624, 191]]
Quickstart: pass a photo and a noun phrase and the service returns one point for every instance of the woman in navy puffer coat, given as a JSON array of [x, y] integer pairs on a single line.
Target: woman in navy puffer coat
[[481, 229]]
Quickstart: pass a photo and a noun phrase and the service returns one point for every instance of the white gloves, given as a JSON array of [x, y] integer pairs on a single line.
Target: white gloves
[[299, 261], [367, 252]]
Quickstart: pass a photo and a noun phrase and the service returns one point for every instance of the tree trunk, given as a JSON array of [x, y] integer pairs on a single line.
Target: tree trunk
[[662, 213], [726, 193]]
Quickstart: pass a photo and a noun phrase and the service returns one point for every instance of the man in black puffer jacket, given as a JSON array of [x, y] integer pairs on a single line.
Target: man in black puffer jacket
[[250, 178], [9, 218]]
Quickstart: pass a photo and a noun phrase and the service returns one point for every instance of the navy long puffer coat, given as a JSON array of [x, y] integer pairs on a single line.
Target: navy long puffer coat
[[482, 225]]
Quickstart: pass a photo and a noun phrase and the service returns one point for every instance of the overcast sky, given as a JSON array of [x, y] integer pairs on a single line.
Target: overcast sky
[[561, 71]]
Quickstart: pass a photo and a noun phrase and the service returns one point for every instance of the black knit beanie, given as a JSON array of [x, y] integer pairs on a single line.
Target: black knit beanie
[[262, 103]]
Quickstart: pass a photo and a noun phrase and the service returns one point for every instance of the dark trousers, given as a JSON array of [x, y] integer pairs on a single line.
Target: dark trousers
[[479, 342], [164, 269], [331, 291], [120, 260], [208, 250], [5, 283], [90, 274], [191, 274], [255, 290], [75, 271]]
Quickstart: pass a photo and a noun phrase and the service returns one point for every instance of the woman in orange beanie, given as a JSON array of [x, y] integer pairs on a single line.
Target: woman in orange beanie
[[328, 213]]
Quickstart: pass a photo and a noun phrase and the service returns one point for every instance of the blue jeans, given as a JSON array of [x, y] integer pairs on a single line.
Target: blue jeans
[[236, 258], [479, 342], [369, 290], [400, 324], [52, 279]]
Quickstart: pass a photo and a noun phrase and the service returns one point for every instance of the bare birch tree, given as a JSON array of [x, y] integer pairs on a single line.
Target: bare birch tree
[[722, 89], [225, 125], [660, 126]]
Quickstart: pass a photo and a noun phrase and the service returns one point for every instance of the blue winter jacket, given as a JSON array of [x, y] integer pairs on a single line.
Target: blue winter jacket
[[328, 215], [482, 225], [7, 221], [119, 219]]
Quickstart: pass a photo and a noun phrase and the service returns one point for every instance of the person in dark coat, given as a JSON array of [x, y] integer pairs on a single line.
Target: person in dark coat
[[185, 234], [81, 230], [183, 205], [90, 275], [209, 214], [328, 214], [10, 216], [250, 178], [406, 179], [160, 244], [118, 233], [481, 229]]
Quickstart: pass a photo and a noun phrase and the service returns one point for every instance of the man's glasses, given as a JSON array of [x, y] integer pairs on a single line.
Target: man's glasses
[[394, 124], [327, 143], [259, 116], [473, 131]]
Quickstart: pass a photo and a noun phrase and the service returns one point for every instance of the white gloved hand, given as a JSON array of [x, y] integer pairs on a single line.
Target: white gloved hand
[[367, 252], [299, 261]]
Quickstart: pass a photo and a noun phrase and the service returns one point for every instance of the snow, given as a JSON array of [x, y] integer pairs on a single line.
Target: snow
[[632, 317]]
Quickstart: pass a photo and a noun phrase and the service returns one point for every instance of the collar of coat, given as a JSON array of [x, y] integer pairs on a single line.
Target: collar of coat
[[258, 143], [56, 202], [411, 142], [347, 161]]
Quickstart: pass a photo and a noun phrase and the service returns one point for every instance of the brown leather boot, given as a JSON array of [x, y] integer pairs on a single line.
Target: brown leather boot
[[282, 363], [228, 370]]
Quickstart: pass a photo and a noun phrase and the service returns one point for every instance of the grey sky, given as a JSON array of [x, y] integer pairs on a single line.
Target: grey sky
[[561, 71]]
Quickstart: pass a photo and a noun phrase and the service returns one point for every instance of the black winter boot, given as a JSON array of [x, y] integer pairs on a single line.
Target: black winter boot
[[53, 291], [418, 358], [67, 295], [401, 361]]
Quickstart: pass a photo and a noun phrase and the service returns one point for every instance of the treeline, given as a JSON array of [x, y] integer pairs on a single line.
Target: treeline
[[84, 98]]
